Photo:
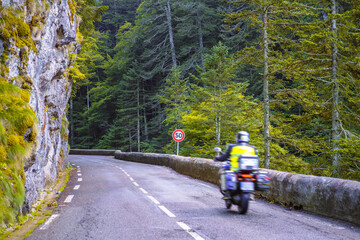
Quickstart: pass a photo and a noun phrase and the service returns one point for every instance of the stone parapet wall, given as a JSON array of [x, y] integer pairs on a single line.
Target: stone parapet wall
[[331, 197], [99, 152]]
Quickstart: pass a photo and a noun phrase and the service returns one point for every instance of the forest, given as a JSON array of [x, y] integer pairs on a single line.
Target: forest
[[288, 72]]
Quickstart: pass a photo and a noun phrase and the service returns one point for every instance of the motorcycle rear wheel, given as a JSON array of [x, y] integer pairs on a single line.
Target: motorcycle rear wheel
[[244, 203]]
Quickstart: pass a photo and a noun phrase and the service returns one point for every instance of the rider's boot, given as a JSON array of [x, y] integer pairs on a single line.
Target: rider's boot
[[226, 195]]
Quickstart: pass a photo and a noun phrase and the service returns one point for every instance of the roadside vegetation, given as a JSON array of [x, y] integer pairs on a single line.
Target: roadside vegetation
[[287, 72]]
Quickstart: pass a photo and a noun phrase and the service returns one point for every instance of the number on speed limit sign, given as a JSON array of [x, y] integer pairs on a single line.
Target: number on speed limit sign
[[178, 135]]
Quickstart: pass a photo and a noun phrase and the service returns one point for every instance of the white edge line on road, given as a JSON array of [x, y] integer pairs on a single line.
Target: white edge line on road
[[189, 231], [79, 174], [68, 199], [46, 224], [143, 190], [165, 210], [131, 179], [203, 184], [79, 179], [76, 187], [154, 200], [78, 171], [136, 184]]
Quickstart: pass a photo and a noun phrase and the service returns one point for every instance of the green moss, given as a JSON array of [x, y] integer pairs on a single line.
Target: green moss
[[3, 153], [15, 28], [13, 140], [72, 6], [16, 117]]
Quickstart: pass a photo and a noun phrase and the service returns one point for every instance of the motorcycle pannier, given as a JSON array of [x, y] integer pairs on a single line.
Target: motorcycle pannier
[[262, 181], [231, 180], [248, 162]]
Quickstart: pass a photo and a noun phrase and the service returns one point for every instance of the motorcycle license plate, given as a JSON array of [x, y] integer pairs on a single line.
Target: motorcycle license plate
[[247, 186]]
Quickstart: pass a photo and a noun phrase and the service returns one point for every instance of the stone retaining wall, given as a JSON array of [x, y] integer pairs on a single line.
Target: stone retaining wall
[[331, 197], [100, 152]]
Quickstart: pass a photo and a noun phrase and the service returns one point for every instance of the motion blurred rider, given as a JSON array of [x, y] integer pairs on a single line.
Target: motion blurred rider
[[235, 151]]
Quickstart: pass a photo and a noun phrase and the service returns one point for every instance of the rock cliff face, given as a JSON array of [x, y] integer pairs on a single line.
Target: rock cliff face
[[50, 91]]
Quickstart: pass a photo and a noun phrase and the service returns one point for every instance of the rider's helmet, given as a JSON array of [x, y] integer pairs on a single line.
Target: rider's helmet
[[243, 137]]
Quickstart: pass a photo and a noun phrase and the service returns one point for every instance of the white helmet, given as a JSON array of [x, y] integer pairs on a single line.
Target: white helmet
[[243, 137]]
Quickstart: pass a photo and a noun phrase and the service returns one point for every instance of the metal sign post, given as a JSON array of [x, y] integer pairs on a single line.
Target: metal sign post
[[178, 135]]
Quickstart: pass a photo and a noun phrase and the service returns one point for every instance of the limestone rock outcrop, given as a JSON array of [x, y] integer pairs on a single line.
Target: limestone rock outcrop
[[46, 66]]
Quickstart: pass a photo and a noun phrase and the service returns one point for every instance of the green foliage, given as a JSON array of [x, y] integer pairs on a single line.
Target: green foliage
[[16, 118], [130, 95], [174, 97]]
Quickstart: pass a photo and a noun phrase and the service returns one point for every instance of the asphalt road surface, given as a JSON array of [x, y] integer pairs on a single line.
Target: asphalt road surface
[[109, 199]]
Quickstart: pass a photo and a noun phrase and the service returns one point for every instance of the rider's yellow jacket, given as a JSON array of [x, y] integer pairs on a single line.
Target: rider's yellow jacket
[[234, 151]]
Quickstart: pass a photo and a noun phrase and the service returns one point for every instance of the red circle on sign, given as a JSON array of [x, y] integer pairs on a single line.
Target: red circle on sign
[[178, 135]]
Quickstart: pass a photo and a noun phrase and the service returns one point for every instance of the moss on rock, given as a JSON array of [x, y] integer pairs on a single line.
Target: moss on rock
[[16, 117]]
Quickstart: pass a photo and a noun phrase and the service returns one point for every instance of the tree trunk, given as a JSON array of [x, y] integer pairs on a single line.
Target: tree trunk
[[146, 132], [138, 116], [201, 42], [88, 108], [335, 96], [266, 89], [171, 35], [87, 98], [71, 122], [130, 148]]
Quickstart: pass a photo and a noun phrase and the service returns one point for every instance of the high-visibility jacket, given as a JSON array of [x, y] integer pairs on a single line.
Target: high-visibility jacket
[[234, 151]]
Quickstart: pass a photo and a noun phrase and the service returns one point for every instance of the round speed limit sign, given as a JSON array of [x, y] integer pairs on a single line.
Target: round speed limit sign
[[178, 135]]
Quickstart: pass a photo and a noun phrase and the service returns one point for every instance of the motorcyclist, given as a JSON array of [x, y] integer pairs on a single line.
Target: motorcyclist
[[233, 152]]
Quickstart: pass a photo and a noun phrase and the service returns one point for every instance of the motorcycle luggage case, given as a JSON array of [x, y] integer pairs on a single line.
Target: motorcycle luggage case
[[262, 181], [231, 180]]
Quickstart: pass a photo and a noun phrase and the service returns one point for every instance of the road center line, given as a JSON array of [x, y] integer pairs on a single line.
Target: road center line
[[143, 190], [165, 210], [68, 199], [154, 200], [136, 184], [131, 179], [190, 231], [46, 224], [76, 187]]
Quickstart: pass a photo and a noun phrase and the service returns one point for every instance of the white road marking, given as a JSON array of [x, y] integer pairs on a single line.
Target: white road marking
[[76, 187], [190, 231], [78, 171], [165, 210], [79, 174], [46, 224], [68, 199], [143, 190], [131, 179], [154, 200], [203, 184], [79, 179], [136, 184]]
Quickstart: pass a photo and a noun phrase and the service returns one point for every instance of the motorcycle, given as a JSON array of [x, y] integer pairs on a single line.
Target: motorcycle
[[237, 186]]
